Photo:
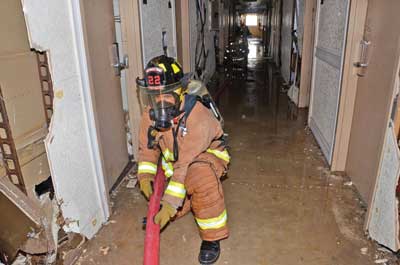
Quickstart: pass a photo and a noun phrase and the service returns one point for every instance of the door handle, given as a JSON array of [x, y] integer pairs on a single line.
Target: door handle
[[363, 63], [116, 61], [122, 65]]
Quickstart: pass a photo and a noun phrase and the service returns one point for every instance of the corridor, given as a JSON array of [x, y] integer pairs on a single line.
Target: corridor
[[284, 206]]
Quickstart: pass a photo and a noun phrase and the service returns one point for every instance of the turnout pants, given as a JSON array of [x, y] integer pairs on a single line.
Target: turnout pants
[[205, 197]]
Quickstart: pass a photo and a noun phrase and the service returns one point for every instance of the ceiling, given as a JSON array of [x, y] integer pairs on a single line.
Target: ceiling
[[251, 6]]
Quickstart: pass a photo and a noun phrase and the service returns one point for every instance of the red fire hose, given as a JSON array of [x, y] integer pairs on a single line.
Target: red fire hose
[[152, 240]]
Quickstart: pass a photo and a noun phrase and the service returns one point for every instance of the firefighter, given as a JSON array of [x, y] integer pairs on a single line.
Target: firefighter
[[180, 132]]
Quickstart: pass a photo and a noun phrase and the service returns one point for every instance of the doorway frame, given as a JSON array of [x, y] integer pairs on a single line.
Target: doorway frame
[[183, 33], [307, 53], [132, 45]]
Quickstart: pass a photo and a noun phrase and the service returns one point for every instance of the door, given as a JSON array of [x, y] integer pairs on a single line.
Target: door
[[330, 40], [374, 95], [156, 37], [100, 38]]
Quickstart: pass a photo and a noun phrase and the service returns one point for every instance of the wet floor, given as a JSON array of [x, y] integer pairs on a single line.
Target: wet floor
[[284, 206]]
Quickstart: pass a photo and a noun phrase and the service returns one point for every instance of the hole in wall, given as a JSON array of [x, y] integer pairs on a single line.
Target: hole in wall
[[14, 179], [47, 100], [7, 149], [45, 86], [45, 187], [42, 57], [10, 164], [3, 133], [43, 71]]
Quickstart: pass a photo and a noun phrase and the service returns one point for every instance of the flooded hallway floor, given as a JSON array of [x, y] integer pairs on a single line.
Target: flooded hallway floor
[[284, 206]]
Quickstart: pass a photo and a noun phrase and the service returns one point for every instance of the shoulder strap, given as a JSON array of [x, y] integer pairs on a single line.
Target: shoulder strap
[[190, 102]]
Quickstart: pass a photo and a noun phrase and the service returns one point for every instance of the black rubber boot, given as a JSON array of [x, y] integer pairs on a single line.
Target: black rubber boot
[[209, 252]]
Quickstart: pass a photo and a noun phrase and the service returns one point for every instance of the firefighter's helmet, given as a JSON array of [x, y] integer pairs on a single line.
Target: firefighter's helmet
[[162, 89]]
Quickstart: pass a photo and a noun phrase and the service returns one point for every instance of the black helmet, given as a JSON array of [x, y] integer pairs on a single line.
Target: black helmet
[[170, 71], [161, 90]]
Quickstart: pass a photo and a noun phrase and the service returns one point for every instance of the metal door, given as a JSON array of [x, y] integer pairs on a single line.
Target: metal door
[[330, 41]]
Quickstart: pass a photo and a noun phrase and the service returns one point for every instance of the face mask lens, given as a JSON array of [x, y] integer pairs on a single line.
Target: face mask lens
[[165, 100]]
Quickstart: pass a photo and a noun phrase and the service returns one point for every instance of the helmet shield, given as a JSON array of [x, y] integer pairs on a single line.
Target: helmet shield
[[161, 96], [161, 89], [162, 101]]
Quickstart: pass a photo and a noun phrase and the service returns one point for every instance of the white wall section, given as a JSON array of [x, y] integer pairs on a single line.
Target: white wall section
[[72, 143], [383, 225]]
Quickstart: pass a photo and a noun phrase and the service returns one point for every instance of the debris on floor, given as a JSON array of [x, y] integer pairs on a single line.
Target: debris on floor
[[131, 183], [364, 251], [104, 250], [70, 248]]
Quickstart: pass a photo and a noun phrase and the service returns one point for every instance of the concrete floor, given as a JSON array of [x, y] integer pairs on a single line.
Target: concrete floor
[[284, 206]]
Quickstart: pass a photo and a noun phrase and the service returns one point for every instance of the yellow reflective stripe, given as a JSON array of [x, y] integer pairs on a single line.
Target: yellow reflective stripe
[[167, 167], [213, 223], [147, 167], [176, 189], [168, 155], [175, 68], [163, 67], [224, 155]]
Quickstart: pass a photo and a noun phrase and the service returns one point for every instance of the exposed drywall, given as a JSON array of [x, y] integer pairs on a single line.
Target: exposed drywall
[[71, 145], [23, 217], [156, 17], [14, 228], [15, 40], [383, 225], [23, 98], [286, 34], [196, 39]]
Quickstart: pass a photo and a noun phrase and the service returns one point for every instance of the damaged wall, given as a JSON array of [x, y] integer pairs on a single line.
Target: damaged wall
[[72, 143], [383, 225], [23, 102], [14, 228], [196, 38]]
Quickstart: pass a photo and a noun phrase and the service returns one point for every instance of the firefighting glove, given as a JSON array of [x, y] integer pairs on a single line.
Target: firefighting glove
[[146, 187], [166, 212]]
